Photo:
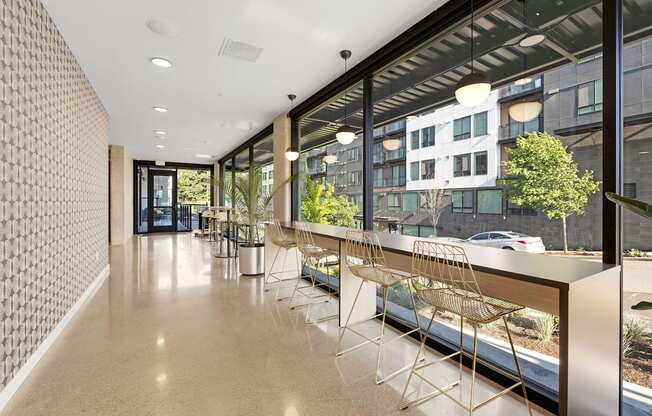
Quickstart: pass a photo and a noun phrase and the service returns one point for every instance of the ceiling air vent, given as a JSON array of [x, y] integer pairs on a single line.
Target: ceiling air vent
[[240, 50]]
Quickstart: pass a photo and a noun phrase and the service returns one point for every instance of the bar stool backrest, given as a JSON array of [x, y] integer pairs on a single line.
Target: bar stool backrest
[[363, 248], [305, 241], [277, 233], [443, 266]]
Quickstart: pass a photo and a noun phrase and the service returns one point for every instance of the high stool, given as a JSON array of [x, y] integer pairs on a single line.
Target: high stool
[[313, 256], [444, 280], [285, 244], [366, 260]]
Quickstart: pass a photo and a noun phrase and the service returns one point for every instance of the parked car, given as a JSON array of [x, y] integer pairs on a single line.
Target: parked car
[[508, 240]]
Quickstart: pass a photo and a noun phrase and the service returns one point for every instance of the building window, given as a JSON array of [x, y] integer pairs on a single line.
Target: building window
[[513, 209], [410, 201], [378, 153], [462, 128], [376, 201], [462, 165], [428, 136], [414, 171], [428, 169], [589, 97], [629, 190], [378, 178], [355, 178], [414, 139], [426, 231], [412, 230], [462, 202], [398, 176], [480, 127], [490, 201], [394, 201], [480, 163]]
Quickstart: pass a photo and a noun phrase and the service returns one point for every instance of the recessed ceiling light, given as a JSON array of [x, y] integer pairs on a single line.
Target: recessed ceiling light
[[159, 133], [203, 156], [532, 40], [159, 109], [161, 62], [160, 146], [523, 81]]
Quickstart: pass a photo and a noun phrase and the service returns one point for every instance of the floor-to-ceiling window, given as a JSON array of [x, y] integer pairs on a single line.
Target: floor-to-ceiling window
[[521, 171], [331, 173], [637, 230]]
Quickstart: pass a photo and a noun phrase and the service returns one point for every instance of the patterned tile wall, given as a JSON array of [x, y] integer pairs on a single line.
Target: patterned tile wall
[[53, 181]]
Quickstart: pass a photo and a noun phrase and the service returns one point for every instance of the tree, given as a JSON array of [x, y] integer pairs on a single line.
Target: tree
[[193, 186], [435, 204], [541, 174], [320, 205]]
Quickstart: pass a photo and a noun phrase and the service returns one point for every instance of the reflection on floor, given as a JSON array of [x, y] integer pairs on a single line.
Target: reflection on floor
[[175, 331]]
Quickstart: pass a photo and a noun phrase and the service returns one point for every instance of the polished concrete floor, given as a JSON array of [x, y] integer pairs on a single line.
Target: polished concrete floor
[[175, 331]]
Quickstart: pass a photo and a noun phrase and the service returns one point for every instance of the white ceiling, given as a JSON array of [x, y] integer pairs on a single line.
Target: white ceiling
[[217, 102]]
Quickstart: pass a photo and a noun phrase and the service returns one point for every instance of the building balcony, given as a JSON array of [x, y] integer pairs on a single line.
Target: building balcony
[[509, 132]]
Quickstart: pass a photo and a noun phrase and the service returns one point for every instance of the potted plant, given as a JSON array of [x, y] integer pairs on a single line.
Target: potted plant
[[252, 204]]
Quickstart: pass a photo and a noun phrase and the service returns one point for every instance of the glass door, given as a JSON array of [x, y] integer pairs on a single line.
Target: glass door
[[162, 189]]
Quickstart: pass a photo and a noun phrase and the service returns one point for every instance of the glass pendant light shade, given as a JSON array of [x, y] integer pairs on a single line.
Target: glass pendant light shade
[[291, 154], [525, 111], [473, 89], [345, 134], [391, 144], [330, 159]]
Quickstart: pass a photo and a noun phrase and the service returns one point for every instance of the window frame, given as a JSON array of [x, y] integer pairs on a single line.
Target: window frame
[[461, 173], [464, 134]]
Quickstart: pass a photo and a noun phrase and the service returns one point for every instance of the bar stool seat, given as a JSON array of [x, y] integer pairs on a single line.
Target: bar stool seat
[[464, 303], [382, 276]]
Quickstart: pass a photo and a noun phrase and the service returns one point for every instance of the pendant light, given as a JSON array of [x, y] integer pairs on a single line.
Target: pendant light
[[329, 159], [525, 111], [391, 144], [291, 153], [345, 134], [473, 89]]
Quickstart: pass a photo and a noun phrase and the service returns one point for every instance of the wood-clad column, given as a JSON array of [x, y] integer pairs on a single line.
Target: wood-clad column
[[281, 135]]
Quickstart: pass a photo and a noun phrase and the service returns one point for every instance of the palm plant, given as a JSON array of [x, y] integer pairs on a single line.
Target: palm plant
[[250, 201]]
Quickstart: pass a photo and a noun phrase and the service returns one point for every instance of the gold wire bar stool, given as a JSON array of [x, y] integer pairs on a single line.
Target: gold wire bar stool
[[285, 244], [444, 279], [313, 256], [366, 260]]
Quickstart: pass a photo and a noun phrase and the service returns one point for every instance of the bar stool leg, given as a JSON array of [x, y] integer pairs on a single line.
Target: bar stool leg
[[382, 336], [298, 278], [475, 360], [338, 351], [518, 366], [402, 404], [266, 282]]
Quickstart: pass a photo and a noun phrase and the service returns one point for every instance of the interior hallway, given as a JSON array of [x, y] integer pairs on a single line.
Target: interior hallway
[[175, 331]]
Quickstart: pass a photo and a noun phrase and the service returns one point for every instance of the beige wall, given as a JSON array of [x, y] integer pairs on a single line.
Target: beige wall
[[122, 195], [53, 153], [282, 171]]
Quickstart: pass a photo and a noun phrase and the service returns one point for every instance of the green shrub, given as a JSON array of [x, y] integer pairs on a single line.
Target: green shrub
[[634, 252], [545, 326], [634, 330]]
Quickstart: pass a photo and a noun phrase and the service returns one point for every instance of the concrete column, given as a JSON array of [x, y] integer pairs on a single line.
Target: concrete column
[[282, 171], [121, 198]]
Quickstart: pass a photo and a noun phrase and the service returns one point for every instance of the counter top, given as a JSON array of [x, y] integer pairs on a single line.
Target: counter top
[[560, 272]]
